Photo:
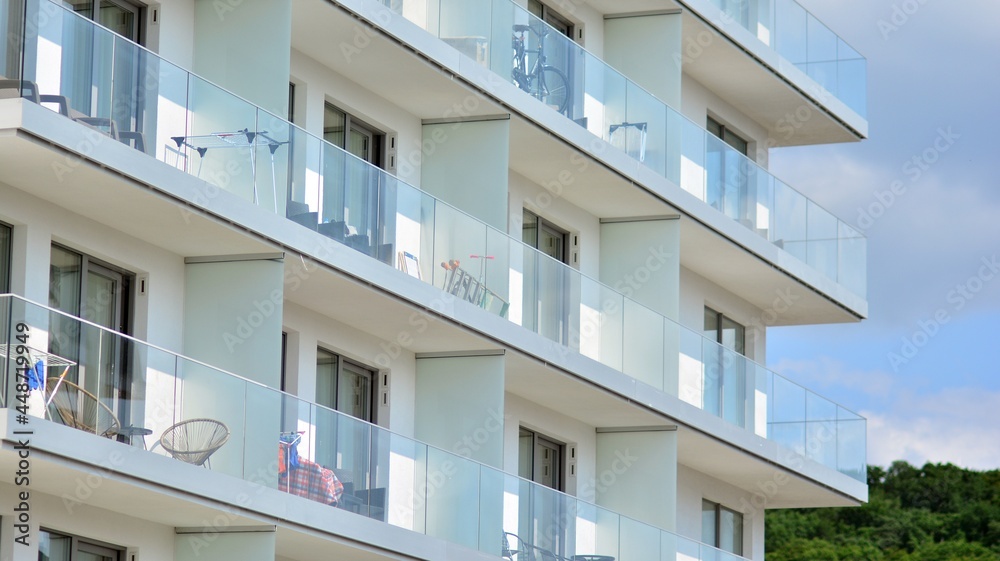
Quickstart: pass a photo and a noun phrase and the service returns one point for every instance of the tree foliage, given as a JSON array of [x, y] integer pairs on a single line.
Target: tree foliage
[[939, 512]]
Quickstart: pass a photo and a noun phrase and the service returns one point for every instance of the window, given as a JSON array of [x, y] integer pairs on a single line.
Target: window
[[725, 331], [86, 288], [728, 136], [540, 459], [724, 368], [721, 527], [729, 188], [360, 212], [739, 10], [284, 359], [546, 289], [544, 13], [61, 547], [120, 16], [345, 386], [559, 52], [342, 129], [544, 236], [5, 234]]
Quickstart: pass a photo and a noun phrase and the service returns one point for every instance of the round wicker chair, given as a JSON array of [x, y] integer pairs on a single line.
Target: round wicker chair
[[80, 409], [194, 440]]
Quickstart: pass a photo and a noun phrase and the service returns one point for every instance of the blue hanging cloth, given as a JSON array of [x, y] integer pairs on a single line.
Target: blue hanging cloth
[[291, 441], [36, 376]]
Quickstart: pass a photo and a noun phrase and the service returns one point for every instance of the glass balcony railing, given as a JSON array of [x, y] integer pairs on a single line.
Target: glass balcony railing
[[800, 38], [338, 460], [609, 105], [178, 118]]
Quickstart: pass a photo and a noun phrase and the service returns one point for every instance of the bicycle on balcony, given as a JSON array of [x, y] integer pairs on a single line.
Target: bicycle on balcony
[[543, 81]]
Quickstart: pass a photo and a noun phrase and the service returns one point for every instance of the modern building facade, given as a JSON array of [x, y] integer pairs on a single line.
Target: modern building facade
[[415, 279]]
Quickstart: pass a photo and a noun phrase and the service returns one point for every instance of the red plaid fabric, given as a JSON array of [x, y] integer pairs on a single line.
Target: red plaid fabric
[[312, 481]]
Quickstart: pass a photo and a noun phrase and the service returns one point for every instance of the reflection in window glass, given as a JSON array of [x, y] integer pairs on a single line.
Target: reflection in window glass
[[721, 527], [60, 547], [53, 547], [120, 16], [344, 386]]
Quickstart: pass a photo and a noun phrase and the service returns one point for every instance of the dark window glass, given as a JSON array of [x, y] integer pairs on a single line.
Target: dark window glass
[[540, 459], [5, 235], [61, 547], [728, 136], [348, 132], [344, 385], [721, 527], [120, 16]]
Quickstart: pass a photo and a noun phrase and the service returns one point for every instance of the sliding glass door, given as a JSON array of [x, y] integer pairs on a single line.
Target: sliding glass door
[[96, 292]]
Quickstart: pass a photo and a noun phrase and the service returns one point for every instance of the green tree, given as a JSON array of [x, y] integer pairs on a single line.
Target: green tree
[[938, 512]]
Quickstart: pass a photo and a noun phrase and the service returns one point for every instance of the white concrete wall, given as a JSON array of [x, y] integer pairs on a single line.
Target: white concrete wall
[[458, 400], [172, 37], [225, 546], [647, 50], [233, 316], [466, 166], [693, 486], [641, 259], [460, 404], [638, 472], [244, 47]]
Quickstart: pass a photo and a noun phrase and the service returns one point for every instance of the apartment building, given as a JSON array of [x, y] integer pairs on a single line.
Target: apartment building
[[415, 279]]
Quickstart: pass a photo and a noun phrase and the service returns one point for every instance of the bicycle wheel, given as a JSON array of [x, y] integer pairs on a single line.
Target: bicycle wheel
[[553, 88]]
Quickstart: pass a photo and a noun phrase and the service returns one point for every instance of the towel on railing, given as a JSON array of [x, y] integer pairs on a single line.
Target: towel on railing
[[312, 481]]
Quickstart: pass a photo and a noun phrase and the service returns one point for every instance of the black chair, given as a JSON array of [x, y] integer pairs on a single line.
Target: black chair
[[29, 90], [19, 88], [334, 230], [134, 139], [385, 253], [360, 243], [372, 502], [308, 219], [295, 207]]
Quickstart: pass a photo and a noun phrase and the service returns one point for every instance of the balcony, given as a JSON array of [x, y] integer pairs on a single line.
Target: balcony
[[602, 100], [385, 476], [289, 172], [800, 38]]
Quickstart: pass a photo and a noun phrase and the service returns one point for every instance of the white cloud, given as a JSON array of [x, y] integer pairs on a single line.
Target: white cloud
[[957, 426], [925, 241], [954, 425], [826, 372]]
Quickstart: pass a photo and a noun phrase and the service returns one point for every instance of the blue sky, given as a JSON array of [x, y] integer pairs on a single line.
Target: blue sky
[[933, 82]]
